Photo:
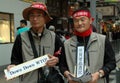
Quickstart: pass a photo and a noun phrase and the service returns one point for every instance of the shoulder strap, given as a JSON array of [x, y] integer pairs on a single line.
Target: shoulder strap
[[40, 71], [32, 44]]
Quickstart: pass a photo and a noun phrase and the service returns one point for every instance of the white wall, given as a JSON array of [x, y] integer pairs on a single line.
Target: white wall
[[15, 7], [5, 53]]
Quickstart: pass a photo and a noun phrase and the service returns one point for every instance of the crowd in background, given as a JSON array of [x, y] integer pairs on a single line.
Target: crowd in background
[[111, 29]]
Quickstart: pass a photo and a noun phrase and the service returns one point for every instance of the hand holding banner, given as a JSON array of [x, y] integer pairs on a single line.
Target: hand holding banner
[[26, 67]]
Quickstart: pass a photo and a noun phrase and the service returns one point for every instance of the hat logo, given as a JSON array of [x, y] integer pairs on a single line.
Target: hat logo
[[40, 6]]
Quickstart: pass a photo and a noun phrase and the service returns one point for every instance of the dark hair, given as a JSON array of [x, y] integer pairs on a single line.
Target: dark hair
[[23, 21], [82, 8]]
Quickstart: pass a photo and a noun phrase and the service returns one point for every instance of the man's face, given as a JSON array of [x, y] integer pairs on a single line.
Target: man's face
[[21, 24], [36, 18], [82, 23]]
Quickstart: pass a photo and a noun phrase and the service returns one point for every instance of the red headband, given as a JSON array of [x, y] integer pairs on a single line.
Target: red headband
[[81, 13]]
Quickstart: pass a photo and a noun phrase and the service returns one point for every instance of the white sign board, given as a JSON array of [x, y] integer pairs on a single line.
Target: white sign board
[[80, 61], [26, 67]]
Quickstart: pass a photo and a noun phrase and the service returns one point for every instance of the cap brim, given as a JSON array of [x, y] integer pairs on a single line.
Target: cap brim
[[27, 11]]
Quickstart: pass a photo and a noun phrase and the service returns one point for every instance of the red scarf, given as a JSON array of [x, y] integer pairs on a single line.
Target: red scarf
[[83, 34]]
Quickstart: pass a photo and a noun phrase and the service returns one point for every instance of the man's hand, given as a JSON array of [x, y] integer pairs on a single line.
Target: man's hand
[[52, 61], [67, 75], [8, 68], [95, 77]]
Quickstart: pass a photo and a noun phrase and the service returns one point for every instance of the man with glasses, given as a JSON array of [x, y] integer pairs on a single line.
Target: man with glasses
[[44, 42], [87, 56]]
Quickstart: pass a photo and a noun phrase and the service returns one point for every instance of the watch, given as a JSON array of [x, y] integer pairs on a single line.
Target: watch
[[100, 74]]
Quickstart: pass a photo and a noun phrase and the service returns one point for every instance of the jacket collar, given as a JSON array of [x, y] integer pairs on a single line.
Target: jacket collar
[[93, 37], [40, 34]]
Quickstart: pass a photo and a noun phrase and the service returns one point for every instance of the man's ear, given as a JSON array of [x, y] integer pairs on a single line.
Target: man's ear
[[91, 20]]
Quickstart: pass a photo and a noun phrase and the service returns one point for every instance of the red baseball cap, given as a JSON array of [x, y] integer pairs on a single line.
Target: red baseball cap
[[36, 5]]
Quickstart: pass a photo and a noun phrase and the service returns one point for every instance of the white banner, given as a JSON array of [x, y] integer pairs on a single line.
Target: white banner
[[80, 61], [26, 67]]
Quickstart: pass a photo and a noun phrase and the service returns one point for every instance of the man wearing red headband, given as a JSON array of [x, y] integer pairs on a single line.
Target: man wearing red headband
[[88, 57], [37, 42]]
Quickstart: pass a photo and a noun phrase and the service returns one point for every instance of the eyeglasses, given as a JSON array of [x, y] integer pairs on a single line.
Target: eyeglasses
[[36, 15], [80, 20]]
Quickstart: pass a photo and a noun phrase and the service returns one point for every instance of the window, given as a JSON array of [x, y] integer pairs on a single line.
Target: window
[[6, 28], [106, 10]]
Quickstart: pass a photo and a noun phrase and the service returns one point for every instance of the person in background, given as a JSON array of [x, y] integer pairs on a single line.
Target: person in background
[[23, 27], [60, 33], [51, 28], [98, 58], [94, 28], [44, 42]]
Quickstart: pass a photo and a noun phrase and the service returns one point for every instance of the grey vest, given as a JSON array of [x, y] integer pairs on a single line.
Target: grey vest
[[44, 46], [95, 48]]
